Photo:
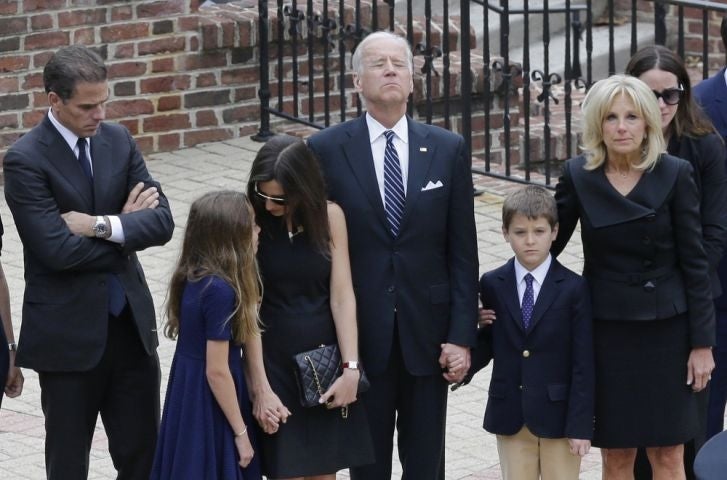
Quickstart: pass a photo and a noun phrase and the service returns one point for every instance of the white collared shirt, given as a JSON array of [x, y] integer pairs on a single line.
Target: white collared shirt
[[725, 76], [378, 147], [538, 274], [117, 230]]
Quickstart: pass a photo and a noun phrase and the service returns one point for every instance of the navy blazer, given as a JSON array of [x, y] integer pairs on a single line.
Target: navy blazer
[[644, 254], [424, 282], [543, 377], [65, 313], [711, 94]]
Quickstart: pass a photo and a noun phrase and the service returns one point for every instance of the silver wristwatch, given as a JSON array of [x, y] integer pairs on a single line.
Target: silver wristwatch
[[101, 229]]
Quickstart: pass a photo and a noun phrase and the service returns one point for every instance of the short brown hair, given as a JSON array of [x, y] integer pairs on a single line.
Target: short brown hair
[[532, 201]]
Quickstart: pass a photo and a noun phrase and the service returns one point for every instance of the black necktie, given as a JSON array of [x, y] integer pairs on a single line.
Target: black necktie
[[83, 159], [528, 301]]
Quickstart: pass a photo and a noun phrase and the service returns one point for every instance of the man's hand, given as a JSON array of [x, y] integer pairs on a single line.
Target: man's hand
[[139, 199], [579, 447], [456, 360], [14, 383], [79, 223]]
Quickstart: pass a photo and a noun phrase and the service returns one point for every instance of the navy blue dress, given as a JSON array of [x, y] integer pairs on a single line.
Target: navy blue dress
[[195, 440]]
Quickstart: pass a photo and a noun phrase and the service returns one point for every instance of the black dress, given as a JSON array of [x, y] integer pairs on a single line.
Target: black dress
[[296, 316]]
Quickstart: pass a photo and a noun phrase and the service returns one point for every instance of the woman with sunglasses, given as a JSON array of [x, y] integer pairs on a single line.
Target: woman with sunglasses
[[308, 301], [690, 135]]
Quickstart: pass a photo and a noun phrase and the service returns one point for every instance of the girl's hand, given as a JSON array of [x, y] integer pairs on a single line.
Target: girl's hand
[[486, 317], [343, 391], [269, 411], [244, 449]]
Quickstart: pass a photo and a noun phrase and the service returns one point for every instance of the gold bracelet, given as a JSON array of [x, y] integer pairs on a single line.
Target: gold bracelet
[[243, 432]]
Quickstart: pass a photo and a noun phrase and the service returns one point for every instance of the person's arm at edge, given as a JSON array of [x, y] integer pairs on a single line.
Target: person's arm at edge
[[14, 383]]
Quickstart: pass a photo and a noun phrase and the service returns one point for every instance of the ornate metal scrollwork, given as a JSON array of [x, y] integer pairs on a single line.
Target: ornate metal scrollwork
[[429, 56], [295, 18], [547, 82]]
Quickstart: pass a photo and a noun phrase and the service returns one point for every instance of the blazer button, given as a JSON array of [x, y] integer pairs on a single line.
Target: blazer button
[[391, 289], [526, 353], [649, 287], [520, 387]]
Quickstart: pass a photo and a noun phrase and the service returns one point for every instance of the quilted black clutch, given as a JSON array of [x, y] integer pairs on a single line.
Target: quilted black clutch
[[316, 370]]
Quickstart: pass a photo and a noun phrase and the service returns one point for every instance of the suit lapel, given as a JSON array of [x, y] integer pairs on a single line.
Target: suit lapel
[[720, 97], [357, 148], [421, 153], [509, 293], [64, 160], [548, 292]]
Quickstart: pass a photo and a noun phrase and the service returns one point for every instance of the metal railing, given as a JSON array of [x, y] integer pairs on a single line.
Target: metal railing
[[522, 128]]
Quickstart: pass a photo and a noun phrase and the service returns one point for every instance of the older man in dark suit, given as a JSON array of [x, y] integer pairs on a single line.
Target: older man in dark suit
[[84, 204], [406, 190], [712, 95]]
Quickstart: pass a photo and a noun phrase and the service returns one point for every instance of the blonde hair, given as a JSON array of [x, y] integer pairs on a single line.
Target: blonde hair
[[218, 241], [596, 106]]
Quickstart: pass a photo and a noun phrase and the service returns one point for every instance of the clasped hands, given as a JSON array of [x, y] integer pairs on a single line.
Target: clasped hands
[[269, 411], [139, 199]]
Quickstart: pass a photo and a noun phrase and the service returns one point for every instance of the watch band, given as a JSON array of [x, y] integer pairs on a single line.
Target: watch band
[[12, 347], [352, 365]]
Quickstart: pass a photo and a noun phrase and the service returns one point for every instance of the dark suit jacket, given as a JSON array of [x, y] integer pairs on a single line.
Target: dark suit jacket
[[427, 277], [65, 313], [712, 95], [707, 156], [643, 252], [543, 377]]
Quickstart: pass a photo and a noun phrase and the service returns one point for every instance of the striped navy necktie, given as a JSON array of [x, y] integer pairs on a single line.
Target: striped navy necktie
[[394, 198]]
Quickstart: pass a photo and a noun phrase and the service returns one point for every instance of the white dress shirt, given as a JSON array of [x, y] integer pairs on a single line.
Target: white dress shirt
[[538, 274], [378, 147]]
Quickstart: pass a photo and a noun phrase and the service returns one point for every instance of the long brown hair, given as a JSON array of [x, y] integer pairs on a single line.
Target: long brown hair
[[289, 161], [689, 119], [218, 241]]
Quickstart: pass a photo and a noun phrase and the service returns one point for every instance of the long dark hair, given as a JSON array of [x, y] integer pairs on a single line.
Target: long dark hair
[[218, 241], [287, 160], [689, 119]]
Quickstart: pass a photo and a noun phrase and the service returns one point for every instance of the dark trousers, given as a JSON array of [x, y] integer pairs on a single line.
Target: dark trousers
[[123, 388], [418, 408]]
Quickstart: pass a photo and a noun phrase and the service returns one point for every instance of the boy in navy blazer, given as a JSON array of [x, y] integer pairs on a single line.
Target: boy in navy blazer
[[541, 394]]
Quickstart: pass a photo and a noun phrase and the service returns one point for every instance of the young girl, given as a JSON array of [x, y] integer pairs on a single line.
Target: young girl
[[212, 310]]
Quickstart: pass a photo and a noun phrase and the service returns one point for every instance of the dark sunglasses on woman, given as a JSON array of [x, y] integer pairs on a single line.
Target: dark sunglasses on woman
[[275, 200], [671, 96]]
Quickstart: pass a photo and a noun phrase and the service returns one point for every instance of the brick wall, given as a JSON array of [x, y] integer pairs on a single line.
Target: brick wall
[[177, 76]]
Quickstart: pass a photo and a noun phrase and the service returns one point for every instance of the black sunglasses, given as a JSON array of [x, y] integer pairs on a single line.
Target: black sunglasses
[[671, 96], [275, 200]]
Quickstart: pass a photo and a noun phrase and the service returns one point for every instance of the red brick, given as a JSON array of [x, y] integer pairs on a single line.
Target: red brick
[[14, 63], [245, 93], [127, 69], [189, 24], [129, 108], [206, 118], [11, 44], [47, 5], [9, 84], [124, 50], [9, 120], [145, 144], [9, 138], [168, 44], [240, 75], [162, 65], [196, 137], [125, 89], [13, 25], [41, 58], [247, 39], [125, 31], [38, 41], [165, 123], [9, 7], [171, 141], [194, 44], [33, 80], [40, 99], [159, 9], [33, 117], [120, 13], [171, 102], [74, 18], [84, 36], [165, 84], [206, 80], [207, 98], [132, 124], [241, 114], [205, 60]]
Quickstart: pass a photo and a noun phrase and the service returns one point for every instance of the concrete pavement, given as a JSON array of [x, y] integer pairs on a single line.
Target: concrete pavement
[[185, 174]]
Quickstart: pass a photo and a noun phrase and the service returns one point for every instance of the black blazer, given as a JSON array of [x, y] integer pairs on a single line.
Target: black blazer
[[543, 377], [65, 315], [427, 277], [643, 252], [712, 95], [707, 156]]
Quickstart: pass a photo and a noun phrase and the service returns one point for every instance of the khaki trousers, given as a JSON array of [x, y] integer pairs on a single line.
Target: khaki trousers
[[524, 456]]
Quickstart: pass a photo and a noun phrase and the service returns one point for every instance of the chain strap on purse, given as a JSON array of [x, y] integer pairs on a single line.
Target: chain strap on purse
[[344, 410]]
